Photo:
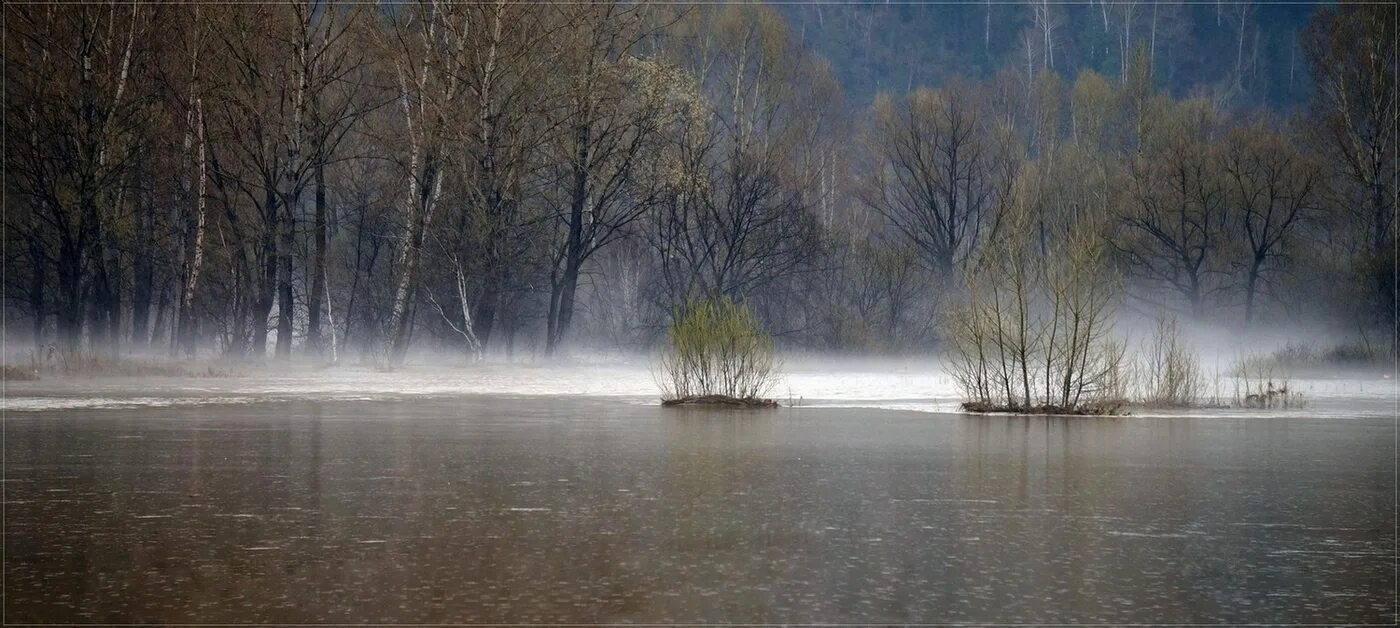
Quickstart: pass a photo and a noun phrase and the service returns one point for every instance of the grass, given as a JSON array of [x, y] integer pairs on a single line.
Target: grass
[[1261, 383]]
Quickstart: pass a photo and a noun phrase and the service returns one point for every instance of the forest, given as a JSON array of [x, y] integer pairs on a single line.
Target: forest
[[353, 182]]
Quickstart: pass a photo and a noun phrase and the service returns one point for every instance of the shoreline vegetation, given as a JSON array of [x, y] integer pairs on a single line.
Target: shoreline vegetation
[[1035, 338], [1261, 381], [1034, 334], [1169, 377], [55, 365]]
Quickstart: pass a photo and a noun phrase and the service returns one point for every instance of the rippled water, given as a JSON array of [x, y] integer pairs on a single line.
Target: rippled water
[[432, 507]]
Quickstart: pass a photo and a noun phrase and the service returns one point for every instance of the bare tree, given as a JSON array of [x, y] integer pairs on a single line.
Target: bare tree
[[502, 50], [337, 99], [1171, 221], [79, 99], [284, 104], [728, 218], [942, 182], [1272, 189], [419, 50], [1353, 54], [1034, 332], [615, 105]]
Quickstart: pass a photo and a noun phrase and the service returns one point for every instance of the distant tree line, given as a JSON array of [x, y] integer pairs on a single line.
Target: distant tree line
[[344, 180], [1240, 54]]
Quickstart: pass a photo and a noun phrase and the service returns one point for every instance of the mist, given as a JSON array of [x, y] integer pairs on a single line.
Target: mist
[[606, 312], [242, 204]]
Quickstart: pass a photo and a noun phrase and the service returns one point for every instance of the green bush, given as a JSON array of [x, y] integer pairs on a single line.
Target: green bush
[[716, 347]]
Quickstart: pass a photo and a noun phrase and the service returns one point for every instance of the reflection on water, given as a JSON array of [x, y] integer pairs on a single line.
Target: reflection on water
[[488, 509]]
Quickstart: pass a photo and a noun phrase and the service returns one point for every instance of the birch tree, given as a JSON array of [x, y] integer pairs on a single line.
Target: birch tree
[[1352, 50], [1170, 227], [502, 50], [418, 50]]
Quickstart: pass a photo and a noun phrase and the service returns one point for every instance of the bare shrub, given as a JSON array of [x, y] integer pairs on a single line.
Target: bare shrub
[[1262, 383], [1170, 370], [1034, 332], [716, 347]]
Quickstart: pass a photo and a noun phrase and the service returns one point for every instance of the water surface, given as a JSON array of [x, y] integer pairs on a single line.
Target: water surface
[[490, 508]]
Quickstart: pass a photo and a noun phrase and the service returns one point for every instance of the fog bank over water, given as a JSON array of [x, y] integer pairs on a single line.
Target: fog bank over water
[[808, 381]]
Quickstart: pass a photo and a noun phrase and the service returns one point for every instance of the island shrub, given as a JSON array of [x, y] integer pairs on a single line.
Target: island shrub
[[716, 352], [1033, 332]]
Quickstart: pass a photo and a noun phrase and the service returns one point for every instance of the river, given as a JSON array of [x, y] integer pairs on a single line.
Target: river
[[229, 503]]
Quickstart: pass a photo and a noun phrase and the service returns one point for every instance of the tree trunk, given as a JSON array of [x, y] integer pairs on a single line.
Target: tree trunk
[[1250, 288], [566, 302], [162, 304], [987, 29], [36, 292], [267, 287], [70, 310], [109, 297], [551, 330], [1380, 231], [143, 275], [486, 305], [330, 321], [186, 321], [575, 248], [318, 266], [292, 185], [354, 282], [401, 318], [285, 306], [1194, 297], [240, 336]]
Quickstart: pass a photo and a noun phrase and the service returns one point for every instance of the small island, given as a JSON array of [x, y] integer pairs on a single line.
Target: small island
[[1074, 366], [716, 354], [720, 400]]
